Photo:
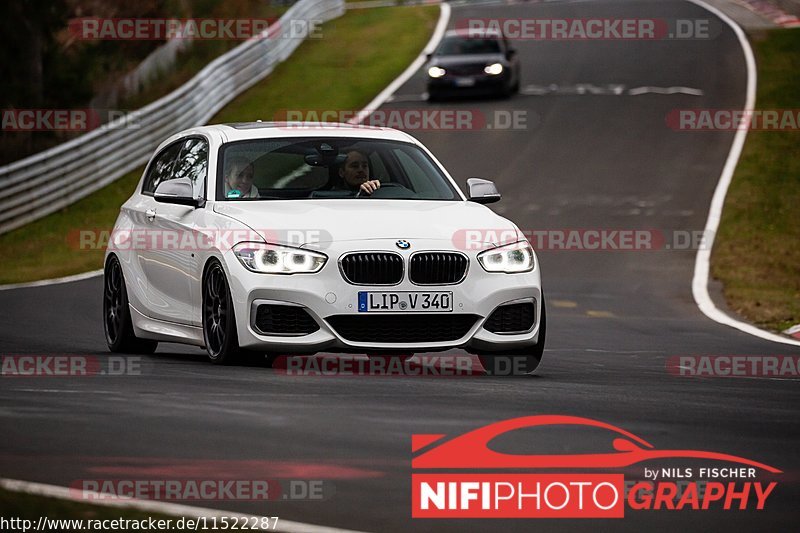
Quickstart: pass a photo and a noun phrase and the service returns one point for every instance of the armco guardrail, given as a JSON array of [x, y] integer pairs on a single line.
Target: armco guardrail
[[46, 182]]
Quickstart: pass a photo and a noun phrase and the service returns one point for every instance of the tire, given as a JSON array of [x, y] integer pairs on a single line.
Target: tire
[[510, 90], [219, 319], [117, 323], [517, 363]]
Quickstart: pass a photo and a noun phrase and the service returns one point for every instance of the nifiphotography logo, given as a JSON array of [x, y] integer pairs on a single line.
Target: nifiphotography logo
[[465, 478]]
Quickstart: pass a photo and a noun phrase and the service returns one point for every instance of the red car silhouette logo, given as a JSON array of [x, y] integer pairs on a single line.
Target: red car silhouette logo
[[471, 450]]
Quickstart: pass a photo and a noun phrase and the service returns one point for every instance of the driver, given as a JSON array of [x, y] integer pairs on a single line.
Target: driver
[[355, 173]]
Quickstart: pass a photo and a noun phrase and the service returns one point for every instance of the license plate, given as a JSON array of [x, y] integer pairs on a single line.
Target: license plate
[[377, 302], [465, 82]]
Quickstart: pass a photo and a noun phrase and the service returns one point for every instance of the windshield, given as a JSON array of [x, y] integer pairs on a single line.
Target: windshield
[[463, 45], [301, 168]]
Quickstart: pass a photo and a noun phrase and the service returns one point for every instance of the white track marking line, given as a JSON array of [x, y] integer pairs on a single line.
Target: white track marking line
[[174, 509], [54, 281], [702, 261], [438, 33], [636, 91]]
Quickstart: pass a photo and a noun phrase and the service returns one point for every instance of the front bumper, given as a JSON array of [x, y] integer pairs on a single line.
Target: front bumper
[[326, 294], [480, 84]]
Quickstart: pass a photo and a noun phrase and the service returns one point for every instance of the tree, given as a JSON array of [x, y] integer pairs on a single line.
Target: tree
[[27, 29]]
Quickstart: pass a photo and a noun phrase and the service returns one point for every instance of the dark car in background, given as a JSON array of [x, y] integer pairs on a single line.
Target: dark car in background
[[472, 62]]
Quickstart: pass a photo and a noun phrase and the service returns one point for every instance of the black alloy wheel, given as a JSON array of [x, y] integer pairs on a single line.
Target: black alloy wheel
[[219, 321], [117, 322]]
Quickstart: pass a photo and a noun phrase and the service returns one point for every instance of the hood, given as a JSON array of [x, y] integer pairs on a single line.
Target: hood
[[307, 222]]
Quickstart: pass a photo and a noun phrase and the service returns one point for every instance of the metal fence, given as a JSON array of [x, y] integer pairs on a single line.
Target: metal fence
[[46, 182]]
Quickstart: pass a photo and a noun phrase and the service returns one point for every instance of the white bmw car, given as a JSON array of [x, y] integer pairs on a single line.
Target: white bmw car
[[294, 239]]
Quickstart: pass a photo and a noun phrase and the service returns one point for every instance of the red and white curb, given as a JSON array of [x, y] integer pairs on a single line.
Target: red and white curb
[[793, 331], [771, 12]]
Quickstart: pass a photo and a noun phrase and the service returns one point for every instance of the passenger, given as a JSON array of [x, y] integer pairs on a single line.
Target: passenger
[[354, 173], [239, 178]]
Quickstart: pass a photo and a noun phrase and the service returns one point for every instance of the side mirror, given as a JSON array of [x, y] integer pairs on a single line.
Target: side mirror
[[482, 191], [178, 191]]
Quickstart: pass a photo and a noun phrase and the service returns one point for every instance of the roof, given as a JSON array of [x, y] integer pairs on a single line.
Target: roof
[[267, 130]]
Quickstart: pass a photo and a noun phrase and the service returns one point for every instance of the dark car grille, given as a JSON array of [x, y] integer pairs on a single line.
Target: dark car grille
[[421, 327], [284, 320], [373, 268], [511, 318], [465, 70], [437, 268]]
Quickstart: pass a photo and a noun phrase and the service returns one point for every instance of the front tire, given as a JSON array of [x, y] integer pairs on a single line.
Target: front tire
[[517, 362], [219, 320], [117, 322]]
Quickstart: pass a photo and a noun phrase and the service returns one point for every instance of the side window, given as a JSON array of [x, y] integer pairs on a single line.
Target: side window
[[193, 164], [161, 168]]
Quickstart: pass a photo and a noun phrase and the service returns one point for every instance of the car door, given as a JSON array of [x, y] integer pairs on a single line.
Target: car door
[[193, 164], [168, 258]]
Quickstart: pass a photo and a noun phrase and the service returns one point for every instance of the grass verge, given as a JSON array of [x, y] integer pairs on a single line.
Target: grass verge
[[358, 55], [757, 250]]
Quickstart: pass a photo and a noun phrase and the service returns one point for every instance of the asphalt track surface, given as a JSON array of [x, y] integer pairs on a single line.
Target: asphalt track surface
[[586, 162]]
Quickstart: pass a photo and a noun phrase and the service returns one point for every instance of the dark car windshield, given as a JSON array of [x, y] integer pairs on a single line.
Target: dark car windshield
[[457, 45], [303, 168]]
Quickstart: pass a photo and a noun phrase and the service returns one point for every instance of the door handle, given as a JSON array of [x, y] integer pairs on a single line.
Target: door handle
[[150, 214]]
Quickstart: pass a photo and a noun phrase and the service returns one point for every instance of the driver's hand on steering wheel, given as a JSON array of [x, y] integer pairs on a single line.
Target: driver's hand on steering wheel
[[369, 187]]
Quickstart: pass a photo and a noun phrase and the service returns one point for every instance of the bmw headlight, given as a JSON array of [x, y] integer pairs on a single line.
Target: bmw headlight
[[512, 258], [494, 69], [436, 72], [275, 259]]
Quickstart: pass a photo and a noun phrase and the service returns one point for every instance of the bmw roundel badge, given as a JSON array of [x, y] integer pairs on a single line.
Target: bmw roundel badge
[[403, 244]]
